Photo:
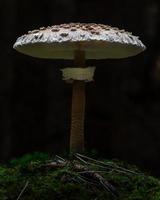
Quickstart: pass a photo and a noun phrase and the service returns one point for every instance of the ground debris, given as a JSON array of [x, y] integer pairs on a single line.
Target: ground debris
[[80, 177]]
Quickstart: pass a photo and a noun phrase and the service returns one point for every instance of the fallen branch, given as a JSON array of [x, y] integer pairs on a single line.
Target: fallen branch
[[89, 171], [114, 167], [22, 191]]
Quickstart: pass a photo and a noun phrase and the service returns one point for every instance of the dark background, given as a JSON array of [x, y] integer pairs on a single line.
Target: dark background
[[123, 102]]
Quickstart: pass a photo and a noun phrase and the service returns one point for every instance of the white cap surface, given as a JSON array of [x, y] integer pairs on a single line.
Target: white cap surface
[[61, 41]]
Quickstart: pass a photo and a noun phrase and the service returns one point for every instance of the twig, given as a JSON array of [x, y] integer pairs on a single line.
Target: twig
[[54, 165], [81, 159], [108, 187], [76, 180], [111, 168], [84, 172], [105, 183], [97, 165], [105, 168], [22, 191], [60, 158], [89, 181], [108, 165], [82, 179], [99, 179]]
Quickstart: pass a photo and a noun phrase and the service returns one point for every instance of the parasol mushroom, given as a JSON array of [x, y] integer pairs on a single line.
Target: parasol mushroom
[[78, 42]]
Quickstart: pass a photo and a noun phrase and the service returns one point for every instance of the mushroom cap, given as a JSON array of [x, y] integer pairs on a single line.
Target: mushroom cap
[[61, 41]]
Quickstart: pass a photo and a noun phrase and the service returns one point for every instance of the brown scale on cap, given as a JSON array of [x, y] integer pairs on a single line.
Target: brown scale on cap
[[89, 27], [64, 34], [73, 29], [95, 32], [84, 28], [55, 29]]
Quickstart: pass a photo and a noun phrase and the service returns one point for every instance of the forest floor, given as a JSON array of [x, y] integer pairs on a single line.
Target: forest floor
[[38, 177]]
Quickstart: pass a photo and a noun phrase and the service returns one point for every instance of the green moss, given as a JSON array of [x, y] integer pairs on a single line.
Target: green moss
[[28, 158], [56, 184]]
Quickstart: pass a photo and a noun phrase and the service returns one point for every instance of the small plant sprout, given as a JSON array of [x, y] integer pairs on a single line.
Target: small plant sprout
[[78, 42]]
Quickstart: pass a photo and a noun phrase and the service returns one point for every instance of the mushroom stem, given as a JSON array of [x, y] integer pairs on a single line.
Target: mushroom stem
[[78, 108]]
